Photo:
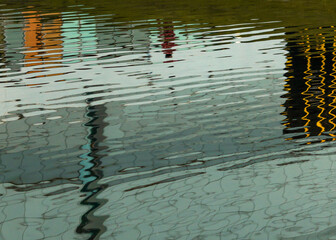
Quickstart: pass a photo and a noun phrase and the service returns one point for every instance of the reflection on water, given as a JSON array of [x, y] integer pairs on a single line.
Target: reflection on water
[[310, 104], [168, 37], [91, 174], [169, 122]]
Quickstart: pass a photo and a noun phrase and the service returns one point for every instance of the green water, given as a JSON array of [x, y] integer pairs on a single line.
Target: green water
[[167, 120]]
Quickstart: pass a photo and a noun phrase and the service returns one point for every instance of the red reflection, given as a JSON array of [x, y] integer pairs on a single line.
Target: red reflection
[[168, 37]]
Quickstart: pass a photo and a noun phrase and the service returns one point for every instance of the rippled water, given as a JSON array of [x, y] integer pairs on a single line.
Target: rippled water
[[167, 120]]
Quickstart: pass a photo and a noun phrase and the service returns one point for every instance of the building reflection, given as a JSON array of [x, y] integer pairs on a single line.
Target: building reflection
[[310, 106], [32, 39], [42, 42], [168, 38]]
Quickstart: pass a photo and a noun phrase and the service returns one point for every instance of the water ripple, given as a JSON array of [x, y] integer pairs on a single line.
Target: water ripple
[[168, 122]]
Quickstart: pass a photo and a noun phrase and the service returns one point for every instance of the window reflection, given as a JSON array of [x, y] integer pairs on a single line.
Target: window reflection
[[310, 101]]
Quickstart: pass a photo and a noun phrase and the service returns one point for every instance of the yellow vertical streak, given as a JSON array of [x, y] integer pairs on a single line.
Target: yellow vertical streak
[[307, 79], [332, 94], [321, 96], [286, 88]]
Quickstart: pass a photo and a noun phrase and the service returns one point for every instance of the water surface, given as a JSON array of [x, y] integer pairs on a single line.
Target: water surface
[[167, 120]]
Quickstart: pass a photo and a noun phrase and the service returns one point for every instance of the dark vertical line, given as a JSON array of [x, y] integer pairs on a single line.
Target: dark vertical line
[[90, 223]]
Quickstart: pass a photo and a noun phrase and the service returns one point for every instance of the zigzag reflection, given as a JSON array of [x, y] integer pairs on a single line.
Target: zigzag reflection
[[310, 105], [91, 174]]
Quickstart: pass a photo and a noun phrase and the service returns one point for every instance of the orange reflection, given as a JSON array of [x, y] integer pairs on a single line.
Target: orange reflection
[[32, 38], [42, 41]]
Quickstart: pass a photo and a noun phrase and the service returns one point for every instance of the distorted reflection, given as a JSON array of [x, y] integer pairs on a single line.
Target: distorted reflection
[[311, 84], [102, 139], [42, 43], [91, 174], [168, 38]]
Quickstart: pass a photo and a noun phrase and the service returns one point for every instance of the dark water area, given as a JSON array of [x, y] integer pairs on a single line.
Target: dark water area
[[167, 120]]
